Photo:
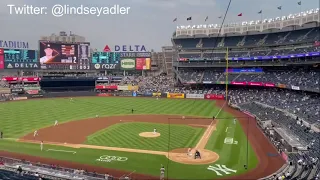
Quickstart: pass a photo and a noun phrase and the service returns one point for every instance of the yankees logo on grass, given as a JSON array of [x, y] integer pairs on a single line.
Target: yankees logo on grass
[[107, 158], [221, 169]]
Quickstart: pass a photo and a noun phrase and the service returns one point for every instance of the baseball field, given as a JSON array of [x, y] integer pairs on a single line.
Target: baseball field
[[104, 135]]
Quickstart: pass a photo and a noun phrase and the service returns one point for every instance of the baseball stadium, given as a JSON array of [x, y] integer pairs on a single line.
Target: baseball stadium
[[230, 101]]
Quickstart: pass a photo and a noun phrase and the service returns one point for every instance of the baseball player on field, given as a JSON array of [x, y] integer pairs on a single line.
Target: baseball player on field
[[189, 152], [162, 170], [234, 121], [56, 123], [41, 145], [154, 131], [35, 133]]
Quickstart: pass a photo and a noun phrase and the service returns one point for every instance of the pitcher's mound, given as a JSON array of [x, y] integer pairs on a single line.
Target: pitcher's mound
[[149, 134], [181, 156]]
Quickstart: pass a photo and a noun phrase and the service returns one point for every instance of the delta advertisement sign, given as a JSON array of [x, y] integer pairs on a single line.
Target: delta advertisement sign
[[125, 48]]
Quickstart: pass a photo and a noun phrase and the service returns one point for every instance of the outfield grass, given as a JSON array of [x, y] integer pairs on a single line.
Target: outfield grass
[[172, 136], [19, 118], [22, 117]]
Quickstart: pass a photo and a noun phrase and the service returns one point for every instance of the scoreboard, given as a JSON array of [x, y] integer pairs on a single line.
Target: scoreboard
[[105, 58], [20, 56]]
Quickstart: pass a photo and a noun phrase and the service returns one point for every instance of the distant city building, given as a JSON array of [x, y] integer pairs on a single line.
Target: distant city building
[[64, 37]]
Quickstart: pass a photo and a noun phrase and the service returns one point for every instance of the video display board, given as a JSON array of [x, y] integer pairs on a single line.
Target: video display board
[[20, 59], [58, 53], [143, 63], [84, 56], [105, 60], [65, 56], [106, 57]]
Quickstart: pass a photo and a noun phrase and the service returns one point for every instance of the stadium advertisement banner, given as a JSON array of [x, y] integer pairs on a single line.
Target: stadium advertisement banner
[[175, 95], [36, 96], [58, 53], [143, 63], [21, 65], [195, 96], [9, 79], [123, 88], [31, 88], [255, 83], [101, 66], [207, 82], [1, 59], [17, 90], [30, 79], [281, 86], [269, 85], [250, 70], [156, 94], [277, 57], [222, 82], [128, 64], [295, 88], [5, 90], [214, 96], [32, 91], [24, 79], [19, 98], [133, 88], [238, 83], [111, 87]]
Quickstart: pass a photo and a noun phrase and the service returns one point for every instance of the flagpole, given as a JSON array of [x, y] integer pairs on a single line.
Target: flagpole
[[300, 7]]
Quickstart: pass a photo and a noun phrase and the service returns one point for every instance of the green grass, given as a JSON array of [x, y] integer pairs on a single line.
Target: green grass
[[22, 117], [172, 136]]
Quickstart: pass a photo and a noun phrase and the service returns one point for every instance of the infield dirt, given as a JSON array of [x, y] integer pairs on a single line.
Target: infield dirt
[[60, 135]]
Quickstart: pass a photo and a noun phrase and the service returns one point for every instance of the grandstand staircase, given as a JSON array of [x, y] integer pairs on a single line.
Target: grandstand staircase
[[303, 37], [221, 43], [242, 42], [262, 41], [200, 44], [283, 39], [201, 78]]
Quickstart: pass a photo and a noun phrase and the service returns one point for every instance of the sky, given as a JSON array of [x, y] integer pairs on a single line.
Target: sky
[[149, 22]]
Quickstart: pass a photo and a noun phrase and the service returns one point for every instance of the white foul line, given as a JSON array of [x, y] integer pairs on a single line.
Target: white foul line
[[211, 127], [73, 152]]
